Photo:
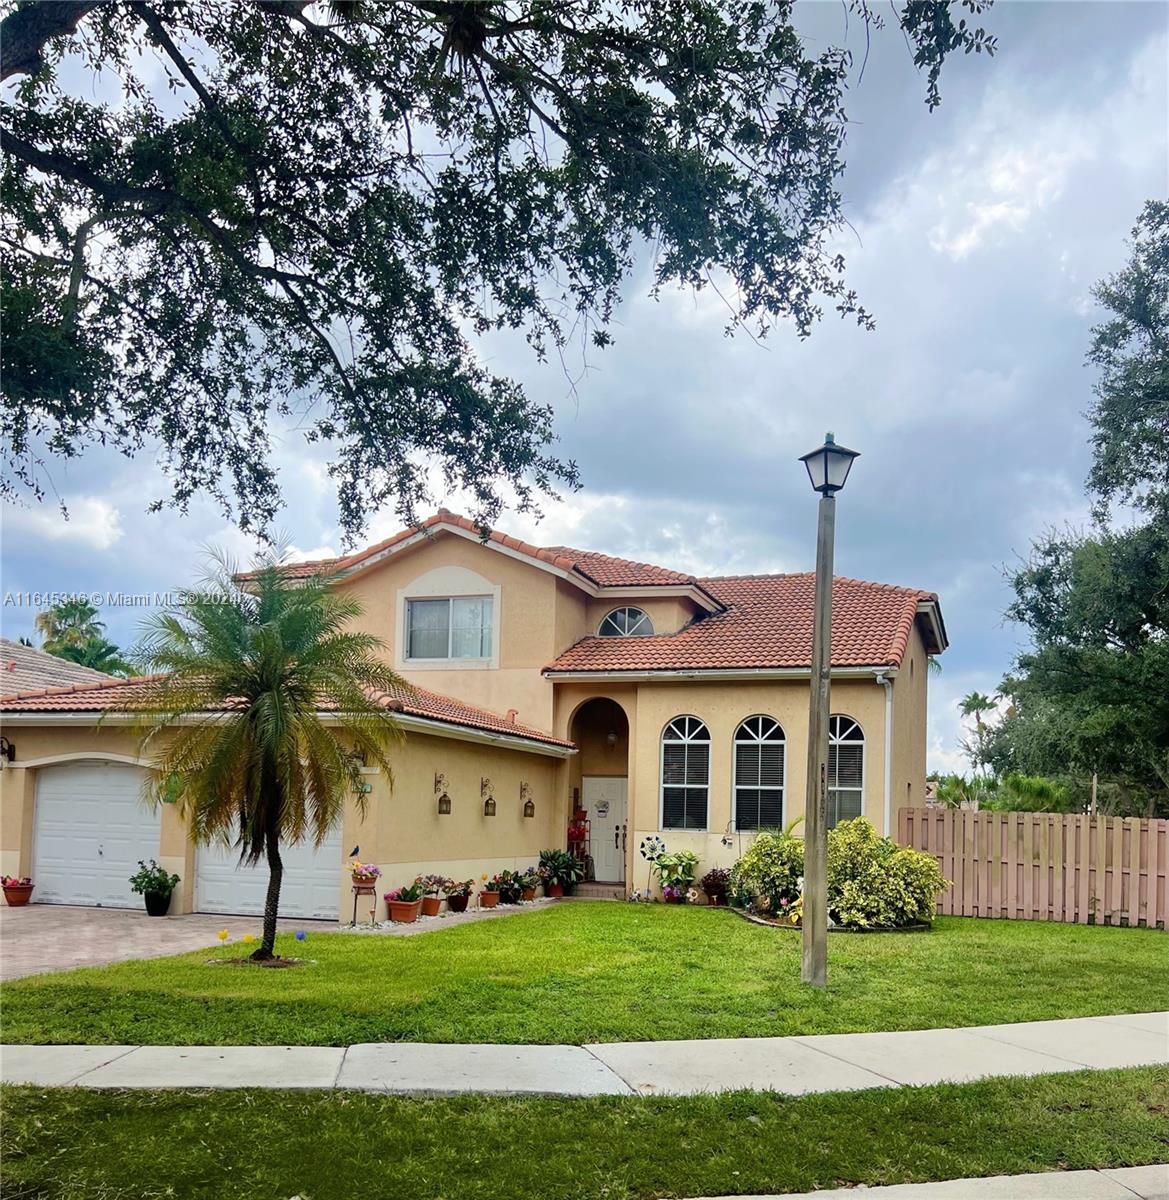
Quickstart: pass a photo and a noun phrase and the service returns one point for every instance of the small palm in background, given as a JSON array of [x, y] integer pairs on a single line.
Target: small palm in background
[[263, 706]]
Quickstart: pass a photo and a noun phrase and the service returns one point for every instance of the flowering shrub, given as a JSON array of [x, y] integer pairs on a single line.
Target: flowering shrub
[[716, 881], [433, 885], [459, 887], [360, 870], [872, 882], [16, 881], [408, 892]]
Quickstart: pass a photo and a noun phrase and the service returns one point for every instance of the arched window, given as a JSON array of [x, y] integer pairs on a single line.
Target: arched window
[[685, 774], [626, 622], [759, 768], [846, 769]]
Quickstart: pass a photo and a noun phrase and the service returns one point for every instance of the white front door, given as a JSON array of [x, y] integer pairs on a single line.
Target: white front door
[[606, 799], [311, 886], [90, 831]]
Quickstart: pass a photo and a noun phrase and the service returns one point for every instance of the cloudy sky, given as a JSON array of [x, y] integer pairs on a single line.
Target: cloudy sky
[[977, 233]]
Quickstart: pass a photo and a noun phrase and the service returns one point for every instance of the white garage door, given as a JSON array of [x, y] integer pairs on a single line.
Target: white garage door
[[91, 828], [310, 888]]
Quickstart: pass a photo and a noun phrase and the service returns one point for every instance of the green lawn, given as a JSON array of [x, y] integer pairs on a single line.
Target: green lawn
[[72, 1144], [600, 972]]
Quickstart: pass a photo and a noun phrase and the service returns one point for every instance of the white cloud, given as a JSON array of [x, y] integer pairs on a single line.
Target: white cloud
[[91, 520]]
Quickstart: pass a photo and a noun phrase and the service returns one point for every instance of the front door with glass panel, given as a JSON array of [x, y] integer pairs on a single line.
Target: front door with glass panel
[[605, 798]]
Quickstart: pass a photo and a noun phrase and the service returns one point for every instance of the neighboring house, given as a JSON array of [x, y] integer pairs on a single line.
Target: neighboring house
[[23, 669], [661, 703]]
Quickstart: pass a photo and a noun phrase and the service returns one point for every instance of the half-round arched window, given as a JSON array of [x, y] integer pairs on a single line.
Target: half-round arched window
[[759, 773], [685, 774], [846, 769], [626, 622]]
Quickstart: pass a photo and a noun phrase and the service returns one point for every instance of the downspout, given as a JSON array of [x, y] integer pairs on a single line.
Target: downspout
[[887, 683]]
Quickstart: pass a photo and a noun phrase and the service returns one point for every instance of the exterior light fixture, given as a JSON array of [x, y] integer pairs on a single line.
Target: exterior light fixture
[[611, 739], [828, 466], [444, 801], [526, 797], [488, 798], [7, 752]]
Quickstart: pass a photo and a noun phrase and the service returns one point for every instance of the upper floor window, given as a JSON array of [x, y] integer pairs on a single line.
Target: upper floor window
[[846, 769], [459, 627], [685, 774], [759, 771], [626, 622]]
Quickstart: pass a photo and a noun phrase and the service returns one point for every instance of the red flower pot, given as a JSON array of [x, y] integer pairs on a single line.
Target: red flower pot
[[554, 890], [431, 906], [529, 893], [457, 903], [19, 895], [488, 899], [405, 912]]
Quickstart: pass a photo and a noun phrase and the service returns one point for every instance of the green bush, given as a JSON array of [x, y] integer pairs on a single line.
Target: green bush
[[872, 882]]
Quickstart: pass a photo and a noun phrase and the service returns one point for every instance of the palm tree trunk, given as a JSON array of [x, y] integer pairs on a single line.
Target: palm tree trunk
[[272, 901]]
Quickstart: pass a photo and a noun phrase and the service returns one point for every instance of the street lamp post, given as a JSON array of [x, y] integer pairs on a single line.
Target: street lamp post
[[828, 468]]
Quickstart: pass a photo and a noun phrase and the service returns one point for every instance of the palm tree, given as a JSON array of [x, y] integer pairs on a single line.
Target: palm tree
[[97, 653], [263, 709], [976, 704], [68, 624]]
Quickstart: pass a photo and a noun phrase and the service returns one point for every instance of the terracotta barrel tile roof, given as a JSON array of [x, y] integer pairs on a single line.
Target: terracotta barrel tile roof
[[767, 623], [23, 668], [121, 694]]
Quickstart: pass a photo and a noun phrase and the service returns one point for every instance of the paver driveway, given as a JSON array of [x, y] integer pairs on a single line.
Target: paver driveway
[[56, 937]]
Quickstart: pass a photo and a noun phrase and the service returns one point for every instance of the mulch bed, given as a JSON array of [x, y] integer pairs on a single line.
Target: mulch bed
[[276, 963], [771, 922]]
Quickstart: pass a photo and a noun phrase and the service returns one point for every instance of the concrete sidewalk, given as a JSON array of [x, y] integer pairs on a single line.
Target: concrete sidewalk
[[792, 1065], [1121, 1183]]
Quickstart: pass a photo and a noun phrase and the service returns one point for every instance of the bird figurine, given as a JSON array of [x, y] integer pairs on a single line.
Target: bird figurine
[[353, 852]]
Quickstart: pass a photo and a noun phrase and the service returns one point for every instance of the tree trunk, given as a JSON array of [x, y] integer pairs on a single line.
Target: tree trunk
[[272, 901], [25, 31]]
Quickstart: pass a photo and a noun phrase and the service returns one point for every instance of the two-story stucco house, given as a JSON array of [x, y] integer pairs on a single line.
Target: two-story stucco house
[[547, 678]]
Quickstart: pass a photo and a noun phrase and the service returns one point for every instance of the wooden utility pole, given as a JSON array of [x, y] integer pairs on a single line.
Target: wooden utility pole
[[815, 917]]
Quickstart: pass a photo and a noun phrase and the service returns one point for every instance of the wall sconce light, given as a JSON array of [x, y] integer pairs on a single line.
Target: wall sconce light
[[444, 801], [611, 739], [526, 797], [7, 752], [357, 755], [488, 798]]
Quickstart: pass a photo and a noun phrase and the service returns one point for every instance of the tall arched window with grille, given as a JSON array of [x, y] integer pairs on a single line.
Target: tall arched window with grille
[[685, 774], [846, 769], [759, 774]]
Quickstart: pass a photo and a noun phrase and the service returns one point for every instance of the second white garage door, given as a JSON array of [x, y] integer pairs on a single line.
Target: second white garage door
[[91, 828], [310, 888]]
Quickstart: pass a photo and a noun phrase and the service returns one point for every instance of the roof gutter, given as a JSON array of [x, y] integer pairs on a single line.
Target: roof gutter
[[715, 674]]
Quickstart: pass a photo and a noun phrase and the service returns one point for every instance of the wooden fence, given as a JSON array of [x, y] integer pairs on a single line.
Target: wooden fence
[[1045, 866]]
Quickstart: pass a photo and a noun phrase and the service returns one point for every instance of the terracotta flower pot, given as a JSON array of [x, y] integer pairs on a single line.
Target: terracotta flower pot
[[431, 906], [554, 890], [488, 899], [405, 912], [457, 903], [529, 893], [364, 880], [19, 895]]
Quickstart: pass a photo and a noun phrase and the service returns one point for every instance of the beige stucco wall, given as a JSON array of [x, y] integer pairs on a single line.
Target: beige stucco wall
[[910, 698], [526, 624], [401, 829]]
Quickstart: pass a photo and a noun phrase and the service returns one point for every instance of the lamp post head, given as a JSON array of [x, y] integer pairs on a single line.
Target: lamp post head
[[829, 465]]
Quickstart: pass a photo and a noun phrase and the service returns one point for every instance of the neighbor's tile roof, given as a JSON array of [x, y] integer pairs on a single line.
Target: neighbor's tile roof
[[23, 668], [604, 570], [123, 694], [767, 622]]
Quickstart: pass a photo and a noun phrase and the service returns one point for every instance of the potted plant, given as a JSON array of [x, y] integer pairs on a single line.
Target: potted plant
[[404, 902], [489, 896], [155, 886], [529, 882], [561, 872], [18, 890], [433, 887], [458, 894], [675, 871], [364, 874], [715, 883], [510, 887]]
